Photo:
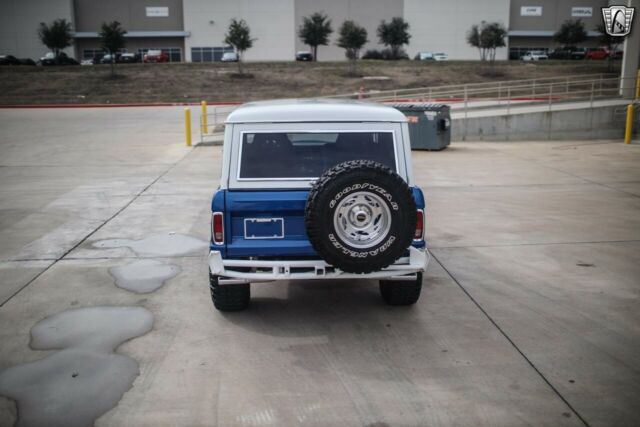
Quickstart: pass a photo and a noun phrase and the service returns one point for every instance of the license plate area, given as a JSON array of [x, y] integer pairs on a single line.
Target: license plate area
[[263, 228]]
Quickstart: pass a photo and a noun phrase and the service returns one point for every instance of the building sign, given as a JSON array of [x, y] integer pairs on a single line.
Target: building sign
[[157, 12], [582, 12], [531, 11]]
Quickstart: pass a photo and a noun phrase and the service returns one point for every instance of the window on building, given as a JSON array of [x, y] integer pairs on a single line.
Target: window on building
[[91, 53], [175, 53], [209, 54]]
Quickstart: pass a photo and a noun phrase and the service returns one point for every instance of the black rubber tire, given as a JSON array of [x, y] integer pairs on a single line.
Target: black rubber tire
[[229, 297], [337, 183], [401, 292]]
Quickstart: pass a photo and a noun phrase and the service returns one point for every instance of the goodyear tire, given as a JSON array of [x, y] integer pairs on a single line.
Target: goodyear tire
[[396, 292], [229, 297], [360, 216]]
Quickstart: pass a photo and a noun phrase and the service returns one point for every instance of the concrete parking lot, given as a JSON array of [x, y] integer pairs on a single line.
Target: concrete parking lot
[[529, 313]]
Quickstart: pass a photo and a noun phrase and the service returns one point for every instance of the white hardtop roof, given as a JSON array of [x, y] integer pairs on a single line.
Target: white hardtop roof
[[314, 110]]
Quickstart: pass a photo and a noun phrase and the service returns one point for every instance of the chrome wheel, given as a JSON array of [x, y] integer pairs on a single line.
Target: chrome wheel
[[362, 219]]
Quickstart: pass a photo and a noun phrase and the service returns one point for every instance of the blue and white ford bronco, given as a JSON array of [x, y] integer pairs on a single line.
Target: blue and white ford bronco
[[320, 190]]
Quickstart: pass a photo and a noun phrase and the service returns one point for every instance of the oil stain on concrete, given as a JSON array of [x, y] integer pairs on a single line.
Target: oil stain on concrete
[[143, 276], [85, 378], [159, 244]]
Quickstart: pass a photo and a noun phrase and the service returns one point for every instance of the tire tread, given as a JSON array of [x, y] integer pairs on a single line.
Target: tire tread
[[313, 222], [229, 297], [401, 292]]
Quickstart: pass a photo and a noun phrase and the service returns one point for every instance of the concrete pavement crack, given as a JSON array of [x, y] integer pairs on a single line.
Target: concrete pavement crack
[[513, 344], [95, 230]]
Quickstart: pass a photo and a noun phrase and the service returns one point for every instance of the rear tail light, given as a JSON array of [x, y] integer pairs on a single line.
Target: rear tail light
[[217, 228], [419, 233]]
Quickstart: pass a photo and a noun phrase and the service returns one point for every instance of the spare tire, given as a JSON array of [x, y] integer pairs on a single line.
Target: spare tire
[[360, 216]]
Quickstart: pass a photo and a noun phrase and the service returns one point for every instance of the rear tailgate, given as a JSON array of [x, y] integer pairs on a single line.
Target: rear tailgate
[[266, 224]]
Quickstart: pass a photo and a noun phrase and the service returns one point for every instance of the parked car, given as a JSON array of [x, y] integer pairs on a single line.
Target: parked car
[[27, 61], [229, 57], [96, 59], [304, 56], [108, 58], [423, 56], [62, 59], [316, 190], [534, 55], [9, 60], [579, 53], [129, 58], [440, 56], [560, 53], [597, 53], [156, 56]]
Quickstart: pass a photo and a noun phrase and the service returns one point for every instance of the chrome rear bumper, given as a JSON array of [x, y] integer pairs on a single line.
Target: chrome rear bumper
[[231, 270]]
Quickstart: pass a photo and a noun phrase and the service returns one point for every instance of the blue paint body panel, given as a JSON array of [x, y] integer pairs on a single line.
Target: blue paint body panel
[[285, 204]]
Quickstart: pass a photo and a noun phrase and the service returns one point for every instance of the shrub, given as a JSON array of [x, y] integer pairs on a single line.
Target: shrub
[[386, 54]]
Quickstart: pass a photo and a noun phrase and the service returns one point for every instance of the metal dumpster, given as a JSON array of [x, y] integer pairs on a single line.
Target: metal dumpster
[[429, 125]]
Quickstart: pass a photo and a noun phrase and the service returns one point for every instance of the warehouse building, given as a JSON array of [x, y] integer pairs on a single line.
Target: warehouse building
[[157, 24], [532, 24], [19, 20], [193, 30]]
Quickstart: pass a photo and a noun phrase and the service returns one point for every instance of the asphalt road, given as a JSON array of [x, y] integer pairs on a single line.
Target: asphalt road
[[529, 313]]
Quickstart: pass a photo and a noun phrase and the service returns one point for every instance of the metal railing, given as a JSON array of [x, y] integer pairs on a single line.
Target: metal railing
[[468, 90], [212, 124], [506, 95], [217, 114]]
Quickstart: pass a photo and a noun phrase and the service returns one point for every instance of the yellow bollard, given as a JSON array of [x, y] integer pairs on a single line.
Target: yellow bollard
[[638, 85], [629, 127], [187, 126], [203, 107]]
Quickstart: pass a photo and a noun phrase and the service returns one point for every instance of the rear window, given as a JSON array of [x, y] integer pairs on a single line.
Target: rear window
[[306, 155]]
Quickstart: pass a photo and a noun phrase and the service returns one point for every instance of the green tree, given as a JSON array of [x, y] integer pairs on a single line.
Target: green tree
[[473, 39], [55, 36], [492, 37], [351, 38], [394, 34], [571, 33], [612, 43], [239, 36], [487, 38], [112, 40], [315, 31]]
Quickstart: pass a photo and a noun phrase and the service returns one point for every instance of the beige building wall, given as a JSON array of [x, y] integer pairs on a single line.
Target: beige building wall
[[441, 26], [271, 23], [19, 21], [90, 14], [367, 13]]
